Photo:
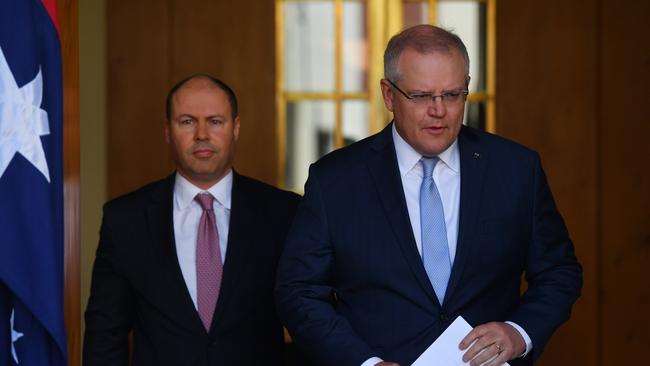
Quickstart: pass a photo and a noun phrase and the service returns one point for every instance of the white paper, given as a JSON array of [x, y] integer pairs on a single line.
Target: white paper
[[444, 351]]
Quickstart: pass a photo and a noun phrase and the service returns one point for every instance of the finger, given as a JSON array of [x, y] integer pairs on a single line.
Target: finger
[[488, 353], [478, 332], [473, 335], [480, 344], [499, 360]]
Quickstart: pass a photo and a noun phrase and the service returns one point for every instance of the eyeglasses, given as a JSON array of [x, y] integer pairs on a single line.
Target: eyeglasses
[[446, 98]]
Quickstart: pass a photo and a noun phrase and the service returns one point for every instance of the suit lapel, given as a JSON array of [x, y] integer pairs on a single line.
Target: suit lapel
[[170, 283], [240, 241], [384, 170], [472, 166]]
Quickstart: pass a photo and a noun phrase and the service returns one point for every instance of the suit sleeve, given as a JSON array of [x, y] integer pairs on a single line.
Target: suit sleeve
[[553, 273], [109, 315], [304, 289]]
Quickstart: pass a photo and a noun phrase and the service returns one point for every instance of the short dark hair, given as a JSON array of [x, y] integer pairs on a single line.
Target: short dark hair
[[232, 98], [423, 38]]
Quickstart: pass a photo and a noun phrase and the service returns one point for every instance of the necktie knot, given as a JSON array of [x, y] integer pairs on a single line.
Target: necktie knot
[[205, 200], [427, 166]]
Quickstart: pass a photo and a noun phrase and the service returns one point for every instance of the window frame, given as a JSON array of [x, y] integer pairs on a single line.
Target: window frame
[[384, 18]]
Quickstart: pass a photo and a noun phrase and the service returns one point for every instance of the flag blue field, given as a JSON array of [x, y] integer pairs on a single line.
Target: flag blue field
[[32, 331]]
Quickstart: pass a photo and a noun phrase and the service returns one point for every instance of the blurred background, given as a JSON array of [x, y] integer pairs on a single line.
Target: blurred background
[[568, 78]]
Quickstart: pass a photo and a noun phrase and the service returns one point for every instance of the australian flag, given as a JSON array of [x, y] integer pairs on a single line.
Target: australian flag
[[32, 329]]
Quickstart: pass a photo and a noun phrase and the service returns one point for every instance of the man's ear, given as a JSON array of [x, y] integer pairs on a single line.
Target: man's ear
[[235, 130], [387, 93], [166, 129]]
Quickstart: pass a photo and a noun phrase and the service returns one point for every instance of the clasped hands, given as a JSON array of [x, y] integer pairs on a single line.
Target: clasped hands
[[499, 342]]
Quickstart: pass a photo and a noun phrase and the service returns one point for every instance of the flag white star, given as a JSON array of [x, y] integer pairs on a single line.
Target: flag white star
[[14, 337], [22, 120]]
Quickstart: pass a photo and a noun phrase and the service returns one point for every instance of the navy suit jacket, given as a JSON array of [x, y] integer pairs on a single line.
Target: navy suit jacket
[[138, 286], [351, 283]]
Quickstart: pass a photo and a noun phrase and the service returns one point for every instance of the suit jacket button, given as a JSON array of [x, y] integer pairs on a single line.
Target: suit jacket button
[[444, 317], [213, 344]]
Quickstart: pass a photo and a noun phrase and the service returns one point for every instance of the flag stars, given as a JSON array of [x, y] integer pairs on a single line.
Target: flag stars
[[22, 120], [14, 337]]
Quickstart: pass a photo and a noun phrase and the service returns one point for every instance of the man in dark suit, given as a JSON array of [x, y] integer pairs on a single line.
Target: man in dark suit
[[188, 263], [399, 234]]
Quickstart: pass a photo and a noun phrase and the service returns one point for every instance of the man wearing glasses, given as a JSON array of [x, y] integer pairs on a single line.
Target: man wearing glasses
[[401, 233]]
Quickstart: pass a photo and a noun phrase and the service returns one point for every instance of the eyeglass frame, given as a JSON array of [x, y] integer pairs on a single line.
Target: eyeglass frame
[[463, 92]]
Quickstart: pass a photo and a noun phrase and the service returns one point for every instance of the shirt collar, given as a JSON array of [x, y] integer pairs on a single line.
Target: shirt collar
[[408, 158], [185, 191]]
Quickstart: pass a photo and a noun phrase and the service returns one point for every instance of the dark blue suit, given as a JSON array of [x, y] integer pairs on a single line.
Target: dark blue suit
[[138, 285], [351, 283]]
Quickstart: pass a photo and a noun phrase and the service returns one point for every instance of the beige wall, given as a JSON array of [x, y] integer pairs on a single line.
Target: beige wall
[[92, 69]]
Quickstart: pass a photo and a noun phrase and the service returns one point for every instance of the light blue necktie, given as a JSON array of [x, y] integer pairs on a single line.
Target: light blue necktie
[[435, 251]]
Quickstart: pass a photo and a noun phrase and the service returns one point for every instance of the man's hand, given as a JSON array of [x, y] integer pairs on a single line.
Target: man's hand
[[387, 364], [500, 342]]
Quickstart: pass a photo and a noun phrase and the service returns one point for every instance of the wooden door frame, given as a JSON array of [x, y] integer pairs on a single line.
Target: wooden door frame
[[69, 38]]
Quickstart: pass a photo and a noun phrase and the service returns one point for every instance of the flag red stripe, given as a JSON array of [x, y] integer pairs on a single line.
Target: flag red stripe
[[50, 6]]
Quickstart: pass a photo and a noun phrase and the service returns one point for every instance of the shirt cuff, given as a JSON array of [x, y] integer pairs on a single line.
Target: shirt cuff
[[529, 342], [372, 361]]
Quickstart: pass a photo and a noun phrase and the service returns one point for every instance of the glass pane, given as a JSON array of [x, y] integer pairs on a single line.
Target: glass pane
[[355, 121], [416, 13], [467, 20], [475, 115], [309, 46], [355, 46], [310, 135]]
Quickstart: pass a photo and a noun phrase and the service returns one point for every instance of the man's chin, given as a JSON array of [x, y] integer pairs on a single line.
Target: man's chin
[[433, 150], [201, 176]]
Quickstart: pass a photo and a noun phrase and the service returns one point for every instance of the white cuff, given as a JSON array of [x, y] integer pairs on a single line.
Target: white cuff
[[529, 342], [372, 361]]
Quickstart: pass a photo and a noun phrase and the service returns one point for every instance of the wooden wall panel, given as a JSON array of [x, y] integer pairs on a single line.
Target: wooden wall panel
[[92, 114], [151, 45], [546, 99], [234, 41], [625, 176], [572, 83], [138, 79]]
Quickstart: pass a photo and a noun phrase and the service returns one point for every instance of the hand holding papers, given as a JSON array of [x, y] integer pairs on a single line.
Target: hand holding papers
[[444, 351]]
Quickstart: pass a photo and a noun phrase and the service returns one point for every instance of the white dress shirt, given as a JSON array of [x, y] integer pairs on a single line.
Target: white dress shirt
[[446, 175], [187, 214]]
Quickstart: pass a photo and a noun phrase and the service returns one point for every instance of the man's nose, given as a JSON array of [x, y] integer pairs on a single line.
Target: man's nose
[[436, 107], [201, 132]]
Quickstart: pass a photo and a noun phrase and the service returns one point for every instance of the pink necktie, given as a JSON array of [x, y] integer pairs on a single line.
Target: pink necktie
[[208, 261]]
